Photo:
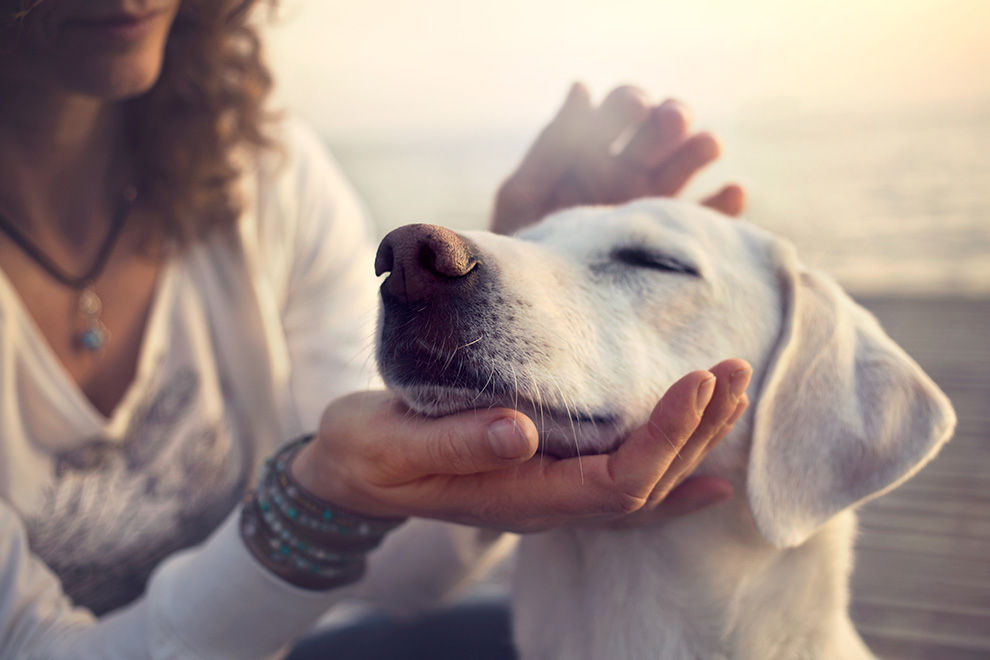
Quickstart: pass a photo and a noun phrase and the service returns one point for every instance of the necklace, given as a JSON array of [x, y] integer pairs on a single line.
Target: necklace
[[93, 336]]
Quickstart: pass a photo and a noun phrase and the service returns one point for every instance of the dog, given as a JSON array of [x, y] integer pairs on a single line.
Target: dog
[[582, 322]]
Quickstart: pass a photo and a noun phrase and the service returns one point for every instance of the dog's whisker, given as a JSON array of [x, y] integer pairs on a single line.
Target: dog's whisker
[[515, 388], [543, 425], [618, 431], [450, 335], [487, 382], [460, 367], [570, 419]]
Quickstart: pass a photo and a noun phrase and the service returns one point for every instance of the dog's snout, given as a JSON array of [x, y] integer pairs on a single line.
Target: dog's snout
[[423, 260]]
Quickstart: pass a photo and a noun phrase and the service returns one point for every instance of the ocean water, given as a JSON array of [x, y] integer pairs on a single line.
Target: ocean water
[[887, 204]]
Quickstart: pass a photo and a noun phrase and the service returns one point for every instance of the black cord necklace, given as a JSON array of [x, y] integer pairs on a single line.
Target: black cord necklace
[[94, 334]]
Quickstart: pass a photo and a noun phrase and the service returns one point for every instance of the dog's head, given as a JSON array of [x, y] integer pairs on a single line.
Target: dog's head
[[585, 319]]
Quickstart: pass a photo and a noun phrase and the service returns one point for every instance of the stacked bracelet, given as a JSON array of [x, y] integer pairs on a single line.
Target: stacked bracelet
[[309, 542]]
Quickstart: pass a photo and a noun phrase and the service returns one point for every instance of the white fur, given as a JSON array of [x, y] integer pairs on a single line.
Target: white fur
[[840, 415]]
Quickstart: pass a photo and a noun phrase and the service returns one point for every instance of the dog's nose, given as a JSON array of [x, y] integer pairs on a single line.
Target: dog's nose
[[423, 260]]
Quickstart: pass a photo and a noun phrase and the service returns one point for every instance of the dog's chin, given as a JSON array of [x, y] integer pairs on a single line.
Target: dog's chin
[[563, 433]]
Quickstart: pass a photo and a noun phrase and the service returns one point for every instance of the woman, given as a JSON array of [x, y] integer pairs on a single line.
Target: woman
[[185, 286]]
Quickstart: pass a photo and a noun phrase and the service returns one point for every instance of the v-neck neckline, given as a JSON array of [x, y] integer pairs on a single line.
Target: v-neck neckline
[[113, 425]]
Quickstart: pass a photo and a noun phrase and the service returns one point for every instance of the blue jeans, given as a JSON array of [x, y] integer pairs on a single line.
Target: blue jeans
[[478, 631]]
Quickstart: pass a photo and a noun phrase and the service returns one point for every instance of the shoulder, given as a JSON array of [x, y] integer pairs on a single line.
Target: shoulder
[[305, 156], [299, 178], [300, 207]]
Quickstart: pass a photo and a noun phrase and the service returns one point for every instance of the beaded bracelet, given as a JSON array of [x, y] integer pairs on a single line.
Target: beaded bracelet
[[307, 541]]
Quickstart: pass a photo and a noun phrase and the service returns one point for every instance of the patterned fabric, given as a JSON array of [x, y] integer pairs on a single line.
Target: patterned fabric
[[115, 510], [248, 337]]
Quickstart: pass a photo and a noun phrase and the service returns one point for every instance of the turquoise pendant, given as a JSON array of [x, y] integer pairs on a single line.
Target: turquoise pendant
[[94, 336], [93, 339]]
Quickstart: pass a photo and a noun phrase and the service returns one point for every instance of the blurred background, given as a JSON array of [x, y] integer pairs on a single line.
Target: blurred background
[[861, 131]]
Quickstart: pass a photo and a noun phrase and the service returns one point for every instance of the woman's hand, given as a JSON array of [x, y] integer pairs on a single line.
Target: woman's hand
[[577, 159], [480, 467]]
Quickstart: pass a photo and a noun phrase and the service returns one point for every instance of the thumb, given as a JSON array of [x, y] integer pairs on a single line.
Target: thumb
[[474, 441]]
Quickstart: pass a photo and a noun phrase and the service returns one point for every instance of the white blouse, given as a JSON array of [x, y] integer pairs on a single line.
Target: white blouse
[[250, 335]]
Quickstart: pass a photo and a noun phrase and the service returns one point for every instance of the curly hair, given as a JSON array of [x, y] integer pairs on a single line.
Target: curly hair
[[207, 104]]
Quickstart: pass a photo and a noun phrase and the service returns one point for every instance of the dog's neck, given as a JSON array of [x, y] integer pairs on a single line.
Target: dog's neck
[[701, 586]]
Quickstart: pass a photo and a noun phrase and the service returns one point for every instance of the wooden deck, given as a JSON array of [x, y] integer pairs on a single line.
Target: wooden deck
[[921, 588]]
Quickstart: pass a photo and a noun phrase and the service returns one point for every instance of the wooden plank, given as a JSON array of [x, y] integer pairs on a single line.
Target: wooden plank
[[966, 627], [931, 545], [897, 646], [921, 587]]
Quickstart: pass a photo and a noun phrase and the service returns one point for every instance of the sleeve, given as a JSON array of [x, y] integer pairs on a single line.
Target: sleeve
[[214, 602], [33, 609], [318, 251], [426, 563]]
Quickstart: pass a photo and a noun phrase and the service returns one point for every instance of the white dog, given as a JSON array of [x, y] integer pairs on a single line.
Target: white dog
[[582, 322]]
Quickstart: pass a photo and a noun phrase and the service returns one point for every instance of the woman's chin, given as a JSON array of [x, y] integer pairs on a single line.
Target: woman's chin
[[121, 82]]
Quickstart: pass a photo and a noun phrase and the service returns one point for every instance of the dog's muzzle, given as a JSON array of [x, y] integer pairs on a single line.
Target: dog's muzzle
[[435, 299]]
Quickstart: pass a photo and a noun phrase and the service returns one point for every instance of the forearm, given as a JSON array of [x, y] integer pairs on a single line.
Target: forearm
[[426, 563], [213, 601]]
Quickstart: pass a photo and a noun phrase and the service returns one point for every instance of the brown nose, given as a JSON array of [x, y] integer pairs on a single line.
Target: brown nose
[[423, 260]]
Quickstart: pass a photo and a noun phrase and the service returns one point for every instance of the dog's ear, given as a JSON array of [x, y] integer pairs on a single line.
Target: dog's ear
[[844, 414]]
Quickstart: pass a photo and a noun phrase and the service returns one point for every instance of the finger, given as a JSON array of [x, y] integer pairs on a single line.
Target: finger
[[730, 423], [529, 496], [554, 150], [693, 495], [730, 200], [412, 446], [658, 136], [646, 455], [624, 106], [694, 153], [731, 378]]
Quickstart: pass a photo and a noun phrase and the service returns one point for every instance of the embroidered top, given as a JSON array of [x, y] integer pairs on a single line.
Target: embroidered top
[[250, 335]]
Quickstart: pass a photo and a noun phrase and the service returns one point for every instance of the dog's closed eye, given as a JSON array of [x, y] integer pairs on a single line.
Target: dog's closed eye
[[644, 257]]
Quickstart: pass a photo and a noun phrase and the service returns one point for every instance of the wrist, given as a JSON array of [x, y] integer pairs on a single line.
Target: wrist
[[304, 468], [304, 539], [320, 475], [280, 556]]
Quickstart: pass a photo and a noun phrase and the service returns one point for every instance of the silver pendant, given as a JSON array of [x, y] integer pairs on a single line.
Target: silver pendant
[[94, 335]]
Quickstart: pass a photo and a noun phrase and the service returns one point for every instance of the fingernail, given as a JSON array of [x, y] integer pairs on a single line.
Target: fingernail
[[507, 439], [739, 380], [705, 391]]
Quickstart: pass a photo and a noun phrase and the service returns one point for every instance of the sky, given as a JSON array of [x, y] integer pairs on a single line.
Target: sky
[[378, 67]]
